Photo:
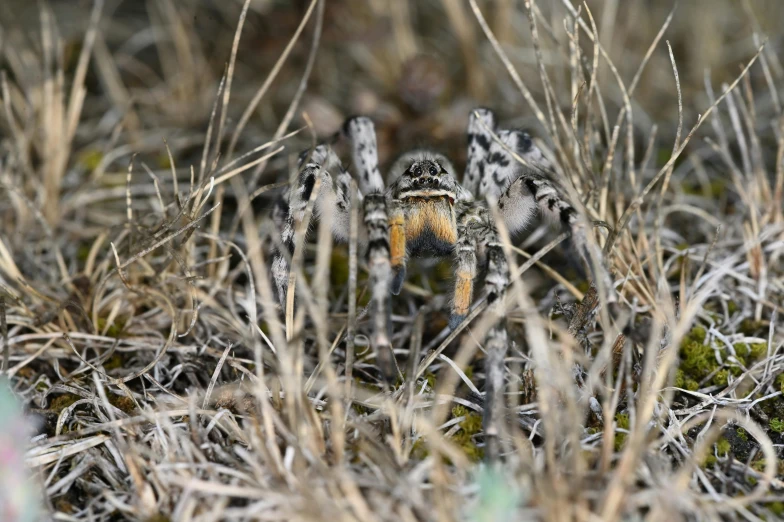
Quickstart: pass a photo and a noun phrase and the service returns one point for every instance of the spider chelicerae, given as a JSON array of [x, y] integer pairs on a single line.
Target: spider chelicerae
[[425, 211]]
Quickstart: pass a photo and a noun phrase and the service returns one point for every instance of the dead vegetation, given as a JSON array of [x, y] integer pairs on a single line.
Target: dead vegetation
[[142, 145]]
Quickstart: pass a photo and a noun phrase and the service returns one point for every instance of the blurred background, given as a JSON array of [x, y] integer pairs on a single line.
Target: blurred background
[[417, 67]]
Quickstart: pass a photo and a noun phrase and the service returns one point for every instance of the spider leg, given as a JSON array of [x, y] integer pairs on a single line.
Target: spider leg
[[362, 135], [481, 124], [533, 191], [490, 166], [397, 244], [290, 208], [522, 189], [466, 261], [476, 228]]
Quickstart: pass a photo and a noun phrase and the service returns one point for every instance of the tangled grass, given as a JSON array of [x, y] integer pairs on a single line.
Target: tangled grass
[[139, 156]]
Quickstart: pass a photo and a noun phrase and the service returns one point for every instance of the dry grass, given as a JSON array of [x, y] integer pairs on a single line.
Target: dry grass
[[142, 146]]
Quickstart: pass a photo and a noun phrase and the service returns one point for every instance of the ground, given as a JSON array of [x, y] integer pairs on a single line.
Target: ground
[[149, 373]]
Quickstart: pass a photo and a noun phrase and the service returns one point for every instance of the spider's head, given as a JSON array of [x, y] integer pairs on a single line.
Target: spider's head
[[427, 178]]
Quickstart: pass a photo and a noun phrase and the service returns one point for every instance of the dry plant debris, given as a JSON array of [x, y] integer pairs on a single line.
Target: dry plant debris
[[141, 146]]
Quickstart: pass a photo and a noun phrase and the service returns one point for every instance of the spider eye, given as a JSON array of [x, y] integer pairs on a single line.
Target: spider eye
[[433, 171], [417, 171]]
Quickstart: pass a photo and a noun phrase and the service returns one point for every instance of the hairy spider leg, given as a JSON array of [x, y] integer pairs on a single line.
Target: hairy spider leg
[[476, 229], [397, 245], [290, 208], [335, 197], [361, 134]]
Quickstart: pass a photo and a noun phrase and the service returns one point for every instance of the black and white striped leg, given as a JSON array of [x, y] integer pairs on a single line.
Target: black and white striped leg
[[361, 134], [380, 274], [481, 123], [289, 210], [533, 192], [496, 342], [491, 164]]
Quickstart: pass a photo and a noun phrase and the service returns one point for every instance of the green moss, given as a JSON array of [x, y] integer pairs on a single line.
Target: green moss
[[41, 386], [697, 334], [752, 328], [115, 329], [777, 508], [723, 447], [431, 380], [742, 435], [758, 351], [61, 402], [753, 351], [697, 359], [469, 426], [620, 440], [732, 307], [419, 450], [622, 422], [721, 378], [683, 381], [777, 425], [90, 159], [780, 382]]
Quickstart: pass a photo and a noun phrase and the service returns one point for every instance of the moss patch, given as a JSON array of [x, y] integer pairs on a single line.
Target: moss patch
[[469, 426], [723, 447], [753, 351], [61, 402], [419, 450], [90, 159], [697, 359], [115, 329], [752, 328], [685, 382], [777, 508], [622, 422]]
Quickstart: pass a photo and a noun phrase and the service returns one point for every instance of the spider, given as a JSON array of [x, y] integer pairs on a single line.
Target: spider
[[425, 211]]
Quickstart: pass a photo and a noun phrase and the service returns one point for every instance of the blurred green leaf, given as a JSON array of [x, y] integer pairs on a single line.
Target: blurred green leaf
[[19, 494], [498, 498]]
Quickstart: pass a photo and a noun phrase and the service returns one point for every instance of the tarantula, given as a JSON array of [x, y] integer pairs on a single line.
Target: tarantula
[[426, 212]]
